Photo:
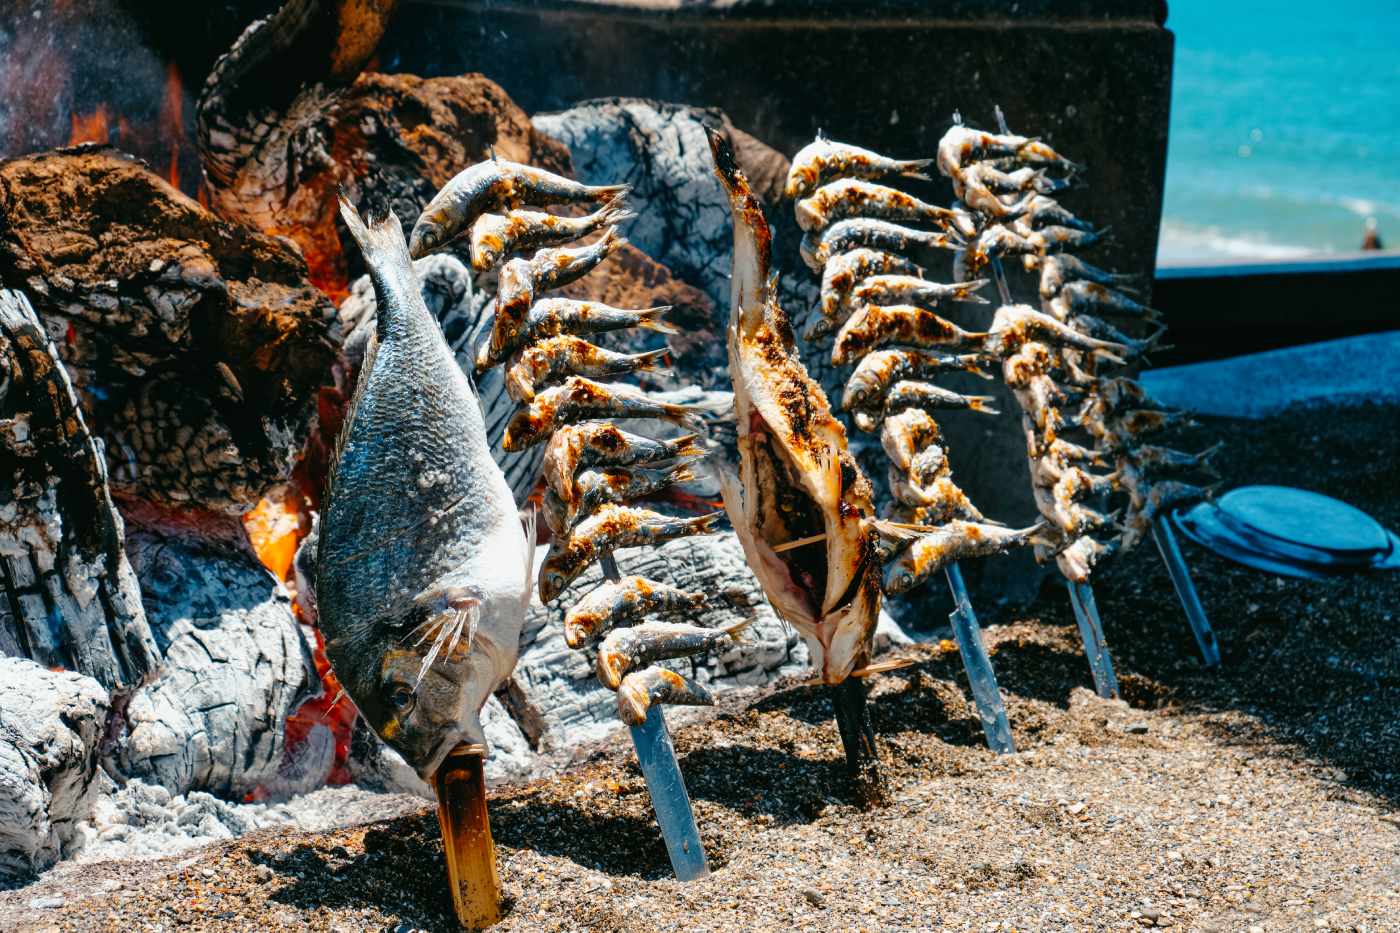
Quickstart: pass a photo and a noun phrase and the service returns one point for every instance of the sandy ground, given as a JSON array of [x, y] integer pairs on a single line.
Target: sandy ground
[[1259, 797]]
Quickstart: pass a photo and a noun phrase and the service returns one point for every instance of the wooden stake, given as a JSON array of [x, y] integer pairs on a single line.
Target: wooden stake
[[466, 834]]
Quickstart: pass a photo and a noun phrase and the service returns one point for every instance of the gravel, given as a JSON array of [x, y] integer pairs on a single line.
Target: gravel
[[1259, 797]]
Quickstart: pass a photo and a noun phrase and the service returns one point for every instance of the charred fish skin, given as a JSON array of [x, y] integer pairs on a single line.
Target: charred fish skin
[[790, 443], [554, 317], [580, 399], [496, 185], [823, 160], [846, 198], [861, 233], [840, 276], [559, 266], [640, 689], [558, 357], [625, 649], [496, 236], [611, 527], [875, 326], [957, 540], [421, 544], [576, 447], [624, 602]]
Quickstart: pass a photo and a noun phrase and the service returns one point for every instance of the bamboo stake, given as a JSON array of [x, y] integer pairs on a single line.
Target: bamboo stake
[[466, 835]]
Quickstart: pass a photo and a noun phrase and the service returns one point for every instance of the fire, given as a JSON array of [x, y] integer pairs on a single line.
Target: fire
[[172, 122], [90, 128]]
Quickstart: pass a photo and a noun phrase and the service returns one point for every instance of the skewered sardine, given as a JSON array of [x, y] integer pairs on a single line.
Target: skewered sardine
[[881, 369], [496, 185], [962, 144], [1015, 325], [905, 434], [580, 399], [840, 276], [957, 540], [823, 160], [874, 326], [575, 447], [640, 689], [623, 602], [555, 358], [852, 197], [929, 397], [496, 236], [1059, 269], [913, 290], [557, 267], [610, 528], [625, 649], [552, 317], [864, 233], [515, 295], [622, 484]]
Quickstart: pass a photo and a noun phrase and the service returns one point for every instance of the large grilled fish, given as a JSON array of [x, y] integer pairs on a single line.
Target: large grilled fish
[[423, 571], [798, 479]]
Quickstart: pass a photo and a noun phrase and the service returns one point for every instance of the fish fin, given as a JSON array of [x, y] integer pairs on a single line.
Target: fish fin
[[651, 361], [649, 319], [531, 519], [685, 415], [610, 193], [615, 214], [381, 240], [982, 403], [914, 168], [685, 446], [735, 630]]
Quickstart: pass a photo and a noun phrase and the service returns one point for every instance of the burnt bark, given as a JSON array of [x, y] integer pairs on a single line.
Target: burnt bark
[[858, 740], [68, 597], [196, 346]]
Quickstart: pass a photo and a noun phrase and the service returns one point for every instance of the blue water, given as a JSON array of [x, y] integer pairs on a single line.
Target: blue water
[[1285, 128]]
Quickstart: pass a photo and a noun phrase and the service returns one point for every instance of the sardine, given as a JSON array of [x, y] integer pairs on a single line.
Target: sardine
[[874, 326], [626, 649], [575, 447], [560, 266], [940, 497], [610, 528], [515, 295], [957, 540], [852, 197], [580, 399], [1159, 500], [840, 276], [496, 236], [881, 369], [556, 358], [1013, 326], [1156, 461], [423, 569], [1079, 557], [1060, 269], [913, 290], [1093, 298], [823, 160], [864, 233], [905, 434], [496, 185], [1125, 429], [1021, 181], [640, 689], [792, 451], [1052, 238], [962, 145], [622, 484], [624, 602], [1039, 212], [925, 395], [552, 317]]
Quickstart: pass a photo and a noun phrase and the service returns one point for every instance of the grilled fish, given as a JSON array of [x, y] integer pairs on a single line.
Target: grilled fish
[[823, 160], [623, 602]]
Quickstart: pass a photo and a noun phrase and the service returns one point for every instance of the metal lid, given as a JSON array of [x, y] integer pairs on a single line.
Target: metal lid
[[1305, 519]]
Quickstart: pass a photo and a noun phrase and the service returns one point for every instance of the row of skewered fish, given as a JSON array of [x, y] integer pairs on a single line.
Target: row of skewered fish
[[592, 469]]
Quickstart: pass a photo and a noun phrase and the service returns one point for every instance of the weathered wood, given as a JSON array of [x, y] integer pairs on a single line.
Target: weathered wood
[[196, 346], [68, 597]]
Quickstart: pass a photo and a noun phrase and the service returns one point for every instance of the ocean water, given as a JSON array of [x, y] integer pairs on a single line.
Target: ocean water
[[1285, 128]]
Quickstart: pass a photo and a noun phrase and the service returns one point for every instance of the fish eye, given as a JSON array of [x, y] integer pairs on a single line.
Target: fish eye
[[401, 697]]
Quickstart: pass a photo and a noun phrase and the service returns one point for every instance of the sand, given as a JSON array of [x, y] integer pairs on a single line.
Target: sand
[[1262, 796]]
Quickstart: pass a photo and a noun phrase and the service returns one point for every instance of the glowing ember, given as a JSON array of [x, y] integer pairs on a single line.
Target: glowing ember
[[90, 128]]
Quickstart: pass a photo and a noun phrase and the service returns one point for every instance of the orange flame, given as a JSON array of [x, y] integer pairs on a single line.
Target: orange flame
[[90, 128], [172, 123]]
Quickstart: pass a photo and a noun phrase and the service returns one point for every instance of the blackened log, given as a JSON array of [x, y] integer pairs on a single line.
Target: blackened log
[[196, 346], [69, 596]]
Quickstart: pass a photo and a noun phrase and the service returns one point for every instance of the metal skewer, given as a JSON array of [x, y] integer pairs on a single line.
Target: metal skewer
[[657, 758], [1185, 590], [981, 678]]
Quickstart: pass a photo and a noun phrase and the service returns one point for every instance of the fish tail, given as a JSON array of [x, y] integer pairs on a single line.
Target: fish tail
[[685, 446], [615, 214], [685, 416], [733, 631], [608, 193], [703, 524], [914, 168], [650, 319], [682, 474], [982, 403], [381, 240], [882, 667], [966, 291], [650, 362]]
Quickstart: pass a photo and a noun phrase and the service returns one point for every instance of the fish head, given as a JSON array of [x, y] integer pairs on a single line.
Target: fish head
[[432, 231], [423, 677]]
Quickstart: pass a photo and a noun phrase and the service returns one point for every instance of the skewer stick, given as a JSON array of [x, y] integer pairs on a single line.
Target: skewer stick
[[1185, 590], [981, 679], [657, 758], [466, 835], [1081, 595], [799, 542]]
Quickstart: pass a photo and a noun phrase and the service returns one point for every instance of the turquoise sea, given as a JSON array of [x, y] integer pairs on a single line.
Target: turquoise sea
[[1285, 128]]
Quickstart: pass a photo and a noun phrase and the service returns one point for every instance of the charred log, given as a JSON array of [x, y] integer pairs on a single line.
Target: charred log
[[70, 598], [196, 346]]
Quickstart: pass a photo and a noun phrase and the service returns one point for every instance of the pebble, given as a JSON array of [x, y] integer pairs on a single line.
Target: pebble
[[111, 884], [46, 903], [814, 897], [263, 873], [1137, 728]]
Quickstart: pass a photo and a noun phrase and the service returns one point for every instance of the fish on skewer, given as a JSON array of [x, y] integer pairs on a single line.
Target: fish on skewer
[[624, 602], [792, 449], [580, 399], [914, 290], [824, 160], [619, 485], [626, 649], [555, 358], [640, 689], [874, 326], [878, 371], [1015, 325], [909, 393], [865, 233], [956, 540], [846, 198], [1093, 298], [1039, 211], [611, 528], [576, 447], [559, 266], [494, 185], [840, 277], [1059, 269], [496, 236], [962, 145], [423, 570], [552, 317], [515, 295]]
